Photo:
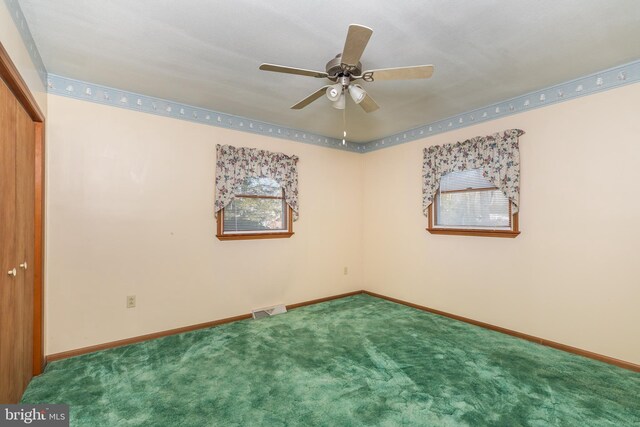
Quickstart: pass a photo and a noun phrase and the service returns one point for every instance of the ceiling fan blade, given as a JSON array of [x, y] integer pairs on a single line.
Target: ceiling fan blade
[[357, 38], [309, 99], [291, 70], [400, 73], [368, 104]]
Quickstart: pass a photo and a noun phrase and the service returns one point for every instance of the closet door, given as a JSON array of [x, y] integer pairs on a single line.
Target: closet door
[[25, 222], [10, 378]]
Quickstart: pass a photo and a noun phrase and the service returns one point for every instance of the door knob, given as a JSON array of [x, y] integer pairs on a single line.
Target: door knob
[[24, 265], [13, 272]]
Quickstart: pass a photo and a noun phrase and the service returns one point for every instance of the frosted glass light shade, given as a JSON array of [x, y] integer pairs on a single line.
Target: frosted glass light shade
[[357, 93], [340, 102], [334, 92]]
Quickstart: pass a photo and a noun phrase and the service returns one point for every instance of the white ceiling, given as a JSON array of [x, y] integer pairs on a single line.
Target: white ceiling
[[206, 53]]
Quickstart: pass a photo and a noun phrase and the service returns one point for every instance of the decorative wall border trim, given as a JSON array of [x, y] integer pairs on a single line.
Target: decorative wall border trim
[[78, 89], [23, 28], [587, 85]]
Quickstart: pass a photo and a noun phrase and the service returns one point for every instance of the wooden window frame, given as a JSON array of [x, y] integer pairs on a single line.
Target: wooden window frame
[[277, 234], [514, 222]]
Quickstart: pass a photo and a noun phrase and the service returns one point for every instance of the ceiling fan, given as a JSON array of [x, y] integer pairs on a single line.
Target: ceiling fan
[[346, 68]]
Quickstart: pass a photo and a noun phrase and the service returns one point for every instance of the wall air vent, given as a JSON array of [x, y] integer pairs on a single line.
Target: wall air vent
[[259, 313]]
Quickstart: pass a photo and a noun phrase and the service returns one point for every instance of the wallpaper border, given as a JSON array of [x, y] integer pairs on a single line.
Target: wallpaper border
[[91, 92], [593, 83], [23, 28]]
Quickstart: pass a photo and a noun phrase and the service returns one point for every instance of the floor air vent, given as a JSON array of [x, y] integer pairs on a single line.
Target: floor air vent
[[259, 313]]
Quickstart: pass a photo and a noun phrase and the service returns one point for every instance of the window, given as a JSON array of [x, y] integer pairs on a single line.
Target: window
[[258, 211], [459, 180], [466, 203]]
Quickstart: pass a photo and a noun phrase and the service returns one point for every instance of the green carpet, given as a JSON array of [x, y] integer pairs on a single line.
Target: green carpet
[[357, 361]]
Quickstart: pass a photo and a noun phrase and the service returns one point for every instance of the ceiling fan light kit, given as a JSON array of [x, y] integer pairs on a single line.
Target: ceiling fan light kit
[[334, 92], [341, 102], [357, 93]]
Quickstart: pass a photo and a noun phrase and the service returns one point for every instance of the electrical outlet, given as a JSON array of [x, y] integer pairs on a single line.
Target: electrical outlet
[[345, 271], [131, 301]]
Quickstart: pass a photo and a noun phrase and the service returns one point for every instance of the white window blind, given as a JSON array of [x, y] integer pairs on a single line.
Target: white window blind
[[466, 199], [259, 206]]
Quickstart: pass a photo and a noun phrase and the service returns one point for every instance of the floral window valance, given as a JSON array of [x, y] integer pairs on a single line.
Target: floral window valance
[[234, 164], [498, 156]]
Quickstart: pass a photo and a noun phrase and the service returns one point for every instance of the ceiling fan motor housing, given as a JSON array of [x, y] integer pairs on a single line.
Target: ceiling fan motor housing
[[336, 69]]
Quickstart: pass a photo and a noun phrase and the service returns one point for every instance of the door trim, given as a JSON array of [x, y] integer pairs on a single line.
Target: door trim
[[9, 73]]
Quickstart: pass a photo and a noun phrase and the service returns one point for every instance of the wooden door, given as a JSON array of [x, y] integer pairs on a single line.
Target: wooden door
[[10, 381], [21, 232], [25, 221]]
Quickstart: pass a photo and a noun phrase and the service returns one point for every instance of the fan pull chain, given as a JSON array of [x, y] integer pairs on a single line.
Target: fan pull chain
[[344, 126]]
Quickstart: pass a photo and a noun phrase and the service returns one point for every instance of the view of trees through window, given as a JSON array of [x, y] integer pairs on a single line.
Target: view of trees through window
[[258, 206]]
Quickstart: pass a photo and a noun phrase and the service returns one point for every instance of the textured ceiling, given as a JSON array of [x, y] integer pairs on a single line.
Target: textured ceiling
[[206, 53]]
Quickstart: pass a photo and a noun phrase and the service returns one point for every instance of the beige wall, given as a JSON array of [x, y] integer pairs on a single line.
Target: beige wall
[[573, 274], [13, 44], [130, 212]]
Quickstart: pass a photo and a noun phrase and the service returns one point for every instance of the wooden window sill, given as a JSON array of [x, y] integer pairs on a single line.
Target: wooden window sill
[[253, 236], [478, 232], [474, 232]]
